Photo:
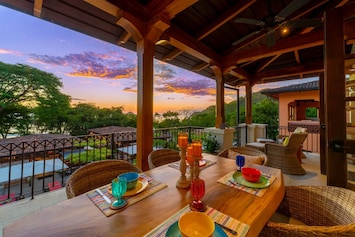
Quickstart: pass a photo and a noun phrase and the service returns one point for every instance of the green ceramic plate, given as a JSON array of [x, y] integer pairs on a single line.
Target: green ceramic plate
[[262, 183]]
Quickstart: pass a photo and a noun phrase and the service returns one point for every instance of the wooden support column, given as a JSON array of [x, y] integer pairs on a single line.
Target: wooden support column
[[248, 103], [322, 134], [334, 94], [220, 118], [145, 34], [145, 52]]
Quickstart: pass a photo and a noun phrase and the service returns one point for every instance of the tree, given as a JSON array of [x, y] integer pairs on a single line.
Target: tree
[[267, 112], [15, 116], [21, 88], [51, 114], [171, 119], [83, 117]]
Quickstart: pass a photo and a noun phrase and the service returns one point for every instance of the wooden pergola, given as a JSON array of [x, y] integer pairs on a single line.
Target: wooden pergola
[[235, 43]]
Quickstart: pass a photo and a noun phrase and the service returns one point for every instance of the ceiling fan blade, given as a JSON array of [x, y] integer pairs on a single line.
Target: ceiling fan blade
[[245, 37], [249, 21], [270, 38], [289, 9], [300, 23]]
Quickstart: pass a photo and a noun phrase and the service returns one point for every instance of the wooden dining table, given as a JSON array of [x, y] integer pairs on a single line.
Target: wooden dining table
[[80, 217]]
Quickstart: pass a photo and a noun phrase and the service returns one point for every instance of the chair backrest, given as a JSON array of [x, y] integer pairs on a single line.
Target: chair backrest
[[297, 139], [96, 174], [326, 211], [161, 157]]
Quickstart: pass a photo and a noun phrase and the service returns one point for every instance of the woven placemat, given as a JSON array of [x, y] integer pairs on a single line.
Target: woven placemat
[[228, 180], [154, 186], [219, 217], [176, 164]]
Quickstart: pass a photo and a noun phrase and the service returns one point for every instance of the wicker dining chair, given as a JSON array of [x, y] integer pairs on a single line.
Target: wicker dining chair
[[252, 153], [96, 174], [285, 157], [324, 211], [162, 156]]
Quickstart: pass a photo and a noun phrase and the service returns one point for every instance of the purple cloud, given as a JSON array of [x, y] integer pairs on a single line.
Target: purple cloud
[[91, 64]]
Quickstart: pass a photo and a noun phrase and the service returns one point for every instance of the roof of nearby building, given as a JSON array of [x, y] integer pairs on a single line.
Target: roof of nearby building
[[33, 137], [111, 129], [308, 86], [38, 142]]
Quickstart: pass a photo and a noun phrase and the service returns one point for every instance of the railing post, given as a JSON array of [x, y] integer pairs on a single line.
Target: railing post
[[113, 146]]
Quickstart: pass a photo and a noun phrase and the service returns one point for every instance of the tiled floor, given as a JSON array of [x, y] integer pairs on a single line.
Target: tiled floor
[[15, 210]]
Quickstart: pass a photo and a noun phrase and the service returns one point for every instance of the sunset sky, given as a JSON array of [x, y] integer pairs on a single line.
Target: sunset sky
[[93, 71]]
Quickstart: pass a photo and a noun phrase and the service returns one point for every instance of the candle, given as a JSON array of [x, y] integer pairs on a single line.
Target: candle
[[197, 150], [190, 159], [182, 139]]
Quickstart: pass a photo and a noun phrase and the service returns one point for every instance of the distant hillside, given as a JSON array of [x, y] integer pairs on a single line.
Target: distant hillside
[[207, 116]]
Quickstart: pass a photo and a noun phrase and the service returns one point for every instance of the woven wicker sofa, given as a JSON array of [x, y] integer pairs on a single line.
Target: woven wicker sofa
[[325, 211], [247, 151]]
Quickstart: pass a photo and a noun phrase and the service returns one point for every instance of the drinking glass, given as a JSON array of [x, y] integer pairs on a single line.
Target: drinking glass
[[119, 187], [197, 191], [240, 161]]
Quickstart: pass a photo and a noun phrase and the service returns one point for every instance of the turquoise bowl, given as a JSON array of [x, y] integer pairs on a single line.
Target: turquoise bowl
[[132, 179]]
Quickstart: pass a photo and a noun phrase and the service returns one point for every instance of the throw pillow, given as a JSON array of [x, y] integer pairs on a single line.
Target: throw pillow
[[285, 142]]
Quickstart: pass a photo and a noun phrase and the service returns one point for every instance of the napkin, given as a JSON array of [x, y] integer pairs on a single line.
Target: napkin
[[154, 186], [228, 180], [219, 217]]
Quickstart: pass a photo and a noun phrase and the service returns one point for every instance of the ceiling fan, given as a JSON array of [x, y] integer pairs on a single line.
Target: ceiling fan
[[269, 23]]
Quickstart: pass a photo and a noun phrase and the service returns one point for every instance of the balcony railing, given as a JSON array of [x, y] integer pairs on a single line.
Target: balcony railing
[[32, 167], [311, 144]]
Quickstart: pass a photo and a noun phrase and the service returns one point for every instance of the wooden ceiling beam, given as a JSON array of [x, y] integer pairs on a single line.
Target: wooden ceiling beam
[[124, 38], [298, 42], [37, 9], [200, 67], [268, 63], [190, 45], [104, 6], [224, 18], [135, 8], [170, 8], [131, 24], [297, 57], [173, 54], [239, 73], [291, 71]]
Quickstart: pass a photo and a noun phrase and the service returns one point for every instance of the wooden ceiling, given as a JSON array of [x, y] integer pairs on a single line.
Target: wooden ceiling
[[242, 37]]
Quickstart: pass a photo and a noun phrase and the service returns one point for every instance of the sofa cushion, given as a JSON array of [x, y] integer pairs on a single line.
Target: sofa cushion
[[249, 159], [300, 130]]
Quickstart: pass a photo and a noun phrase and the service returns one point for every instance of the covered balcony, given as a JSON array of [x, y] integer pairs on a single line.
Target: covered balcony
[[236, 43]]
